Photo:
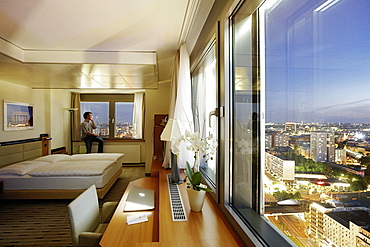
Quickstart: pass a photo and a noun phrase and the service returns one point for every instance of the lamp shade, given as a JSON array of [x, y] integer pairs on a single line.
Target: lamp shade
[[172, 130]]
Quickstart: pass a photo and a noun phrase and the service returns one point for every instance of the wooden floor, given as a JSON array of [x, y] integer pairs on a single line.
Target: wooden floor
[[206, 228]]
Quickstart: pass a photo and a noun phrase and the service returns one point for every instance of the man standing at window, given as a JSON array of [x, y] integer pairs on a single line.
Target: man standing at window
[[88, 136]]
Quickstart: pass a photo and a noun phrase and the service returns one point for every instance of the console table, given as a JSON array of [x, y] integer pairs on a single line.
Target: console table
[[206, 228]]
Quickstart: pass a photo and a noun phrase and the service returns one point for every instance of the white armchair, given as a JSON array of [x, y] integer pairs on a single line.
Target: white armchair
[[86, 224]]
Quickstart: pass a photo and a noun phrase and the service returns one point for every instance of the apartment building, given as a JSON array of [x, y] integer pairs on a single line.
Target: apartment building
[[280, 167], [322, 146], [337, 225]]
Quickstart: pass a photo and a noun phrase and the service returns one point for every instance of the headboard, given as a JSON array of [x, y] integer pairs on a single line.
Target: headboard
[[16, 151]]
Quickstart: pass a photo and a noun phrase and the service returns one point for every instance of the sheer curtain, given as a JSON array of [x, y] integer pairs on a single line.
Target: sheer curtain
[[180, 104], [173, 94], [76, 134], [138, 115]]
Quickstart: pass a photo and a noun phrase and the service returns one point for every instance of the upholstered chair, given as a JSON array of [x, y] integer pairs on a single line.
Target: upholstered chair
[[86, 223]]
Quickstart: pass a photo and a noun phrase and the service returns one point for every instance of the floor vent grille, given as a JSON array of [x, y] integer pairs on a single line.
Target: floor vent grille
[[177, 207]]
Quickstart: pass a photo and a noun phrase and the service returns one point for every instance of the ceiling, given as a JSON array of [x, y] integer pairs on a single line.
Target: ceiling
[[91, 44]]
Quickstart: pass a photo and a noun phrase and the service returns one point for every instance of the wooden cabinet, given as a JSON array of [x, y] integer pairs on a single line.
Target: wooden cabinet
[[160, 121]]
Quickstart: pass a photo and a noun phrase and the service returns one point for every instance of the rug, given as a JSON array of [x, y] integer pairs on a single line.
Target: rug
[[46, 222]]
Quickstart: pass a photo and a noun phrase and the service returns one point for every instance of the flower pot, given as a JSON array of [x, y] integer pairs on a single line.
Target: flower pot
[[196, 199]]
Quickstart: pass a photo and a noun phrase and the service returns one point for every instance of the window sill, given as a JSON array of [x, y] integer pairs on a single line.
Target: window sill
[[258, 229], [118, 140]]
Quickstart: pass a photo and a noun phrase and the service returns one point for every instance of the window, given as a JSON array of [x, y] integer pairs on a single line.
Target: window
[[205, 103], [299, 73], [113, 114], [244, 110]]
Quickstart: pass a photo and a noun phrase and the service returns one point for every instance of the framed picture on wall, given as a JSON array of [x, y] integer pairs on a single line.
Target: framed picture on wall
[[18, 116]]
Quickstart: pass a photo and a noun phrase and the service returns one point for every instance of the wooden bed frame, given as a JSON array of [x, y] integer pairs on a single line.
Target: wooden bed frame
[[28, 149]]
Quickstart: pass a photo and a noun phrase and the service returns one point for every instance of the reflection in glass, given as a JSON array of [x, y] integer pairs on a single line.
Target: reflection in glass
[[204, 87], [244, 113]]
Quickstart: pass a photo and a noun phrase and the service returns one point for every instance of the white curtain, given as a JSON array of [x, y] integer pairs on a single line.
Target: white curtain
[[138, 115], [173, 94], [180, 104], [75, 103]]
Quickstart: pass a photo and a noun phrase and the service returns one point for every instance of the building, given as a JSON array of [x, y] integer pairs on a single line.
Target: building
[[276, 140], [281, 141], [363, 238], [322, 146], [291, 127], [338, 225], [269, 140], [280, 167], [340, 156], [346, 227], [316, 219]]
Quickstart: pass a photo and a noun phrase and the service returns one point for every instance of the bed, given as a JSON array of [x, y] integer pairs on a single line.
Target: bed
[[28, 175]]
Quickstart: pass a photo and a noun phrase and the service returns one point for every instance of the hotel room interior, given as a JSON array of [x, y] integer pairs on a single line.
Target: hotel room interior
[[51, 51]]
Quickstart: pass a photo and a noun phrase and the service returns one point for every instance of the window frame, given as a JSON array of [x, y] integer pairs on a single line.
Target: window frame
[[212, 44], [252, 226], [111, 99]]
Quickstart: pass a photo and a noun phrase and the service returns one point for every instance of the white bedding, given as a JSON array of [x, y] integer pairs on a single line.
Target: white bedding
[[71, 168], [22, 168], [61, 172]]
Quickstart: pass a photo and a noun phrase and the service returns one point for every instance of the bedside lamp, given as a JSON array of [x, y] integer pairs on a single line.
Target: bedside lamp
[[71, 110], [172, 131]]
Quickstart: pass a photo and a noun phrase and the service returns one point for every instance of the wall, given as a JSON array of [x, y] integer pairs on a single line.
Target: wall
[[59, 118], [40, 99], [156, 102]]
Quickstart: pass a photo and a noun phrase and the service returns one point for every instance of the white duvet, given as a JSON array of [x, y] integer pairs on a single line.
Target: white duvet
[[64, 165]]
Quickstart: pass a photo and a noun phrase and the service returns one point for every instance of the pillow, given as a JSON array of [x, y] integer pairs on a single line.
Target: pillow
[[52, 158], [22, 168]]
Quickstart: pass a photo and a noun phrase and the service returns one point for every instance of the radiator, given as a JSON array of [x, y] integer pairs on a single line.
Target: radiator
[[131, 152]]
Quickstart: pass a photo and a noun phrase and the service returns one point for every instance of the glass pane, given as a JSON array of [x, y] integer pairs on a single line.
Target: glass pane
[[244, 111], [123, 126], [316, 78], [205, 102], [100, 111]]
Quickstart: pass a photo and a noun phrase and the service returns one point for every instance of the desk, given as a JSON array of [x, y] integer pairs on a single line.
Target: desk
[[206, 228], [118, 233]]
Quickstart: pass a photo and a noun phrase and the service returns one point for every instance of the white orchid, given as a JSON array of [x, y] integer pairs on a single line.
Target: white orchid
[[244, 146], [175, 145], [205, 146]]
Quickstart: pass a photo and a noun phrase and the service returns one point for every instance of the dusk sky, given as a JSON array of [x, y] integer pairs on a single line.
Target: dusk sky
[[100, 111], [318, 62]]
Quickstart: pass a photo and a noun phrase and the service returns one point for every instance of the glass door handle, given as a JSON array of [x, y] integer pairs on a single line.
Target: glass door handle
[[215, 113]]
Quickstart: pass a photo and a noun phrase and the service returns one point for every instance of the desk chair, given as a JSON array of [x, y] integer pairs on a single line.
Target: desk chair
[[86, 224]]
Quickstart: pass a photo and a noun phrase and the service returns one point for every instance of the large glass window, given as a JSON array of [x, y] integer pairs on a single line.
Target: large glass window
[[113, 114], [299, 117], [205, 106], [245, 151], [123, 115], [100, 112]]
